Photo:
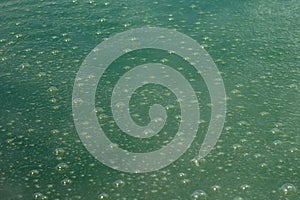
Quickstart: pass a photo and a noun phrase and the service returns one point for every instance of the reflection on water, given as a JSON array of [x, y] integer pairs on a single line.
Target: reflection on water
[[255, 46]]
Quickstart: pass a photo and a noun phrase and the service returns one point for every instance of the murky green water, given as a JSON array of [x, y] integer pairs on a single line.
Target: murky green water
[[255, 45]]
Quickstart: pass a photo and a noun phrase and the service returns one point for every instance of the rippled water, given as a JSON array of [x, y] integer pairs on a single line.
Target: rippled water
[[255, 46]]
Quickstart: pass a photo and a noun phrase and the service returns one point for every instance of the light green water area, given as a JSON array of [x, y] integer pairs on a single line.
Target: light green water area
[[256, 47]]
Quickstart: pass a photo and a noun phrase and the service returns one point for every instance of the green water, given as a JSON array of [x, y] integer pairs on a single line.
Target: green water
[[255, 45]]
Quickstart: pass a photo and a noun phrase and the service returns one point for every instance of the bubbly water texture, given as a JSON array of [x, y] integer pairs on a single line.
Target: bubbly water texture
[[255, 46]]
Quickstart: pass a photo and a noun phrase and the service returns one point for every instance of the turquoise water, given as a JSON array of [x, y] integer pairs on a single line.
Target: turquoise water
[[255, 45]]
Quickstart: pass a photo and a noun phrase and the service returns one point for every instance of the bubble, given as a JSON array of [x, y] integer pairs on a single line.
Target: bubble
[[264, 113], [199, 194], [55, 131], [293, 86], [243, 123], [238, 198], [77, 101], [288, 189], [263, 165], [55, 52], [279, 125], [59, 151], [98, 110], [119, 183], [216, 188], [228, 129], [103, 196], [62, 167], [235, 91], [198, 162], [66, 181], [53, 100], [195, 161], [236, 146], [293, 150], [275, 130], [257, 155], [24, 66], [34, 172], [18, 36], [158, 120], [185, 181], [30, 130], [120, 105], [277, 142], [52, 90], [67, 40], [148, 131], [50, 186], [39, 196], [103, 117], [245, 187], [113, 146]]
